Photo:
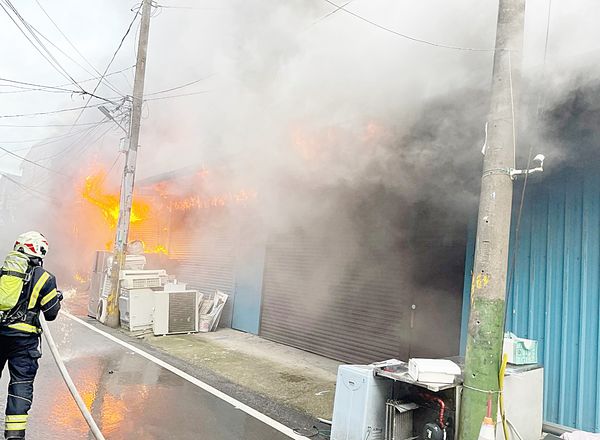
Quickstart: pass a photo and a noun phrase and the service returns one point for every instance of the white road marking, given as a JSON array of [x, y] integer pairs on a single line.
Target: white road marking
[[233, 402]]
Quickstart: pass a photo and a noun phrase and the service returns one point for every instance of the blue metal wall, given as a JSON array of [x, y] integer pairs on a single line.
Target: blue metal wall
[[554, 291]]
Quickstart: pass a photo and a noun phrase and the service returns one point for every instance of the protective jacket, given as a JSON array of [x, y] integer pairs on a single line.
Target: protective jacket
[[32, 290]]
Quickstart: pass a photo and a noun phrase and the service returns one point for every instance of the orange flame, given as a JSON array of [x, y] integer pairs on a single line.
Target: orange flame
[[82, 279], [160, 249], [199, 202], [94, 192]]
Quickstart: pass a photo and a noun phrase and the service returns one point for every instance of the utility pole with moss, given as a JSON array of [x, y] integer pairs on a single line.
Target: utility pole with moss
[[488, 292]]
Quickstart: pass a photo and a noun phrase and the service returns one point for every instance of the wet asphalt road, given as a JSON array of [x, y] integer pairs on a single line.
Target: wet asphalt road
[[130, 397]]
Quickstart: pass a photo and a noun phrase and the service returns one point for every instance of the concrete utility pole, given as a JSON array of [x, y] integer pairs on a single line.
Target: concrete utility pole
[[488, 292], [112, 318]]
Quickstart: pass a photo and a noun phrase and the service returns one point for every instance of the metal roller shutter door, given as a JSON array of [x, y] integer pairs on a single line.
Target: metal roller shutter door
[[359, 316], [206, 261]]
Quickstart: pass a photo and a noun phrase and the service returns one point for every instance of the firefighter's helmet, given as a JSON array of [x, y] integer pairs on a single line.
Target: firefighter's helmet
[[32, 243]]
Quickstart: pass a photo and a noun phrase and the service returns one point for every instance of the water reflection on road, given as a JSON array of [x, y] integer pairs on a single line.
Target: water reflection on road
[[129, 396]]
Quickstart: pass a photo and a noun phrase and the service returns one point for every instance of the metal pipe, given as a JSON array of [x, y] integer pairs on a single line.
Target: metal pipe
[[70, 384]]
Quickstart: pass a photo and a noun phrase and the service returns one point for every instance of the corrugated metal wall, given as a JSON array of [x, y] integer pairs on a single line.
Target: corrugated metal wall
[[554, 293]]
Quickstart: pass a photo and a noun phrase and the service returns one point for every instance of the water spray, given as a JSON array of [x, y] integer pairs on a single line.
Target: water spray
[[69, 382]]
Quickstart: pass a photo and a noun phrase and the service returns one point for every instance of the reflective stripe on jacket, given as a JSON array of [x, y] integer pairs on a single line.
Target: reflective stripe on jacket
[[38, 295]]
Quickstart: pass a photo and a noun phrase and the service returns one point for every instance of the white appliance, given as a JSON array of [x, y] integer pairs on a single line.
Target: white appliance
[[142, 279], [360, 404], [97, 279], [100, 279], [523, 399], [134, 262], [176, 312], [136, 309]]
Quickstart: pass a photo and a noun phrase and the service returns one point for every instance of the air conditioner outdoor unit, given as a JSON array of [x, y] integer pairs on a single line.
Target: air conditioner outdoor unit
[[136, 309], [142, 279], [176, 312], [134, 262]]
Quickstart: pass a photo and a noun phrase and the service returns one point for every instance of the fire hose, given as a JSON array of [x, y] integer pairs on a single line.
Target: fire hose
[[69, 382]]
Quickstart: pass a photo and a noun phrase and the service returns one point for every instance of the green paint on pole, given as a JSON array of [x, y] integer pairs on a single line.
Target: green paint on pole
[[484, 350]]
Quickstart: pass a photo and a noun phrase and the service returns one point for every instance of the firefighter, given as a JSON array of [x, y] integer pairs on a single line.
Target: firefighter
[[26, 289]]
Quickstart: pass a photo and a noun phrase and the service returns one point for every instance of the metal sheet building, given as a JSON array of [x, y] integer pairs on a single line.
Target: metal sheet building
[[554, 290]]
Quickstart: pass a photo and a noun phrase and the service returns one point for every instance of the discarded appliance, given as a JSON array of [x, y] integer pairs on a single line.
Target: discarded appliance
[[97, 279], [433, 370], [359, 407], [142, 279], [100, 279], [523, 401], [176, 312], [432, 408], [210, 312], [136, 309], [520, 351]]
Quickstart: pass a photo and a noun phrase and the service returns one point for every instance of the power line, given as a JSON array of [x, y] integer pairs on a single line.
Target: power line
[[192, 8], [74, 61], [79, 141], [61, 86], [333, 12], [47, 55], [39, 86], [50, 125], [47, 140], [202, 92], [33, 162], [110, 62], [52, 112], [31, 190], [181, 86], [23, 89], [76, 49], [405, 36]]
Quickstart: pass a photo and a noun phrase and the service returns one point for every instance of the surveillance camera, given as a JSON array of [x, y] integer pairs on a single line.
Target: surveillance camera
[[539, 158]]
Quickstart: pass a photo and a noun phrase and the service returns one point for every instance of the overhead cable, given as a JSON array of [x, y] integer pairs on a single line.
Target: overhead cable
[[108, 83], [202, 92], [43, 50], [46, 54], [82, 124], [52, 112], [110, 62], [43, 142], [179, 87], [60, 87], [79, 141], [39, 86], [32, 162], [192, 8], [406, 36], [33, 191], [339, 8]]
